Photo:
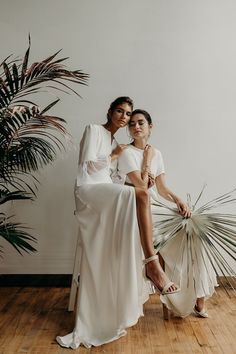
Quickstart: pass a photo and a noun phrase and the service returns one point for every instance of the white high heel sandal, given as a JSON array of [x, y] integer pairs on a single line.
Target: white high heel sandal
[[163, 291]]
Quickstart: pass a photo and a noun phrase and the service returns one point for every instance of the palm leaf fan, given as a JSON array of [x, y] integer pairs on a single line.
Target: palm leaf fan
[[215, 232]]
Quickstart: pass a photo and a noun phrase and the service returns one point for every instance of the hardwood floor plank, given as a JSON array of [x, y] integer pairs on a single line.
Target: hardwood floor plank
[[30, 319]]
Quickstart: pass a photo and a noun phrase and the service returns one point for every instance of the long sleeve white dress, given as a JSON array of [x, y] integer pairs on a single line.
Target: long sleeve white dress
[[196, 279], [112, 289]]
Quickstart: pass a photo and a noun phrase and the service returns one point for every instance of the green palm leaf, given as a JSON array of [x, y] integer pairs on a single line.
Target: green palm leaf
[[30, 137], [6, 195], [16, 235], [21, 80], [29, 140]]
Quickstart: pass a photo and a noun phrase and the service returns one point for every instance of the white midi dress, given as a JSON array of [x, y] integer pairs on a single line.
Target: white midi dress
[[196, 279], [111, 289]]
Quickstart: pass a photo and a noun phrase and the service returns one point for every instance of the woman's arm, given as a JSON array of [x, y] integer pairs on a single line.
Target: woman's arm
[[89, 159], [166, 193], [148, 154], [135, 178], [143, 178]]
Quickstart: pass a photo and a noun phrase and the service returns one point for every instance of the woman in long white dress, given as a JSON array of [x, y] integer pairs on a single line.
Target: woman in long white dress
[[112, 289], [133, 163]]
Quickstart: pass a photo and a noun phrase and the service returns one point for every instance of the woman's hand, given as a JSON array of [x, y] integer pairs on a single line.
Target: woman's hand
[[148, 152], [118, 151], [151, 180], [183, 208]]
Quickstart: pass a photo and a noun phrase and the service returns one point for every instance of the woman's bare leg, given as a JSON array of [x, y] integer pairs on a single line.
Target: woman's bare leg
[[153, 269]]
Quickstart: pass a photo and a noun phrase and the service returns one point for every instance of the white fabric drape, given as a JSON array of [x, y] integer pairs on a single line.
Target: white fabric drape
[[112, 289]]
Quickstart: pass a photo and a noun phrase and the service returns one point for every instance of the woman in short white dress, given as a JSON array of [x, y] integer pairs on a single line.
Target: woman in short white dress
[[134, 163], [112, 220]]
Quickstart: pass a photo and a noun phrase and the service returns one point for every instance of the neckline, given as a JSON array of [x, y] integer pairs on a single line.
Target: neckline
[[106, 129], [136, 147], [109, 133]]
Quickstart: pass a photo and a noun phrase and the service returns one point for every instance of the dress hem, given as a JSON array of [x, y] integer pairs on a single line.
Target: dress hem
[[90, 343]]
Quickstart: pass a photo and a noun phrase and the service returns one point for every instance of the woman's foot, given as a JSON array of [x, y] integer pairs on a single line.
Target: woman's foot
[[199, 308], [155, 273], [200, 313]]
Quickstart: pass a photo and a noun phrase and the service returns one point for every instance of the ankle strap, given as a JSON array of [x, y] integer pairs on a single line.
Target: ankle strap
[[150, 259]]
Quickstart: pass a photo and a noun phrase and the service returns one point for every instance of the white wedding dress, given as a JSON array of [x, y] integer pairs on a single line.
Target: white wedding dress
[[111, 289], [195, 280]]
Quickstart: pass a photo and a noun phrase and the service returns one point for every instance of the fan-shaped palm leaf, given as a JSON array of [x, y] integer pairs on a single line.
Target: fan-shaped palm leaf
[[215, 231]]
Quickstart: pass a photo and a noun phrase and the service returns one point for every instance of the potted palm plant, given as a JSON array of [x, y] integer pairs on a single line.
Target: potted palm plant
[[29, 136]]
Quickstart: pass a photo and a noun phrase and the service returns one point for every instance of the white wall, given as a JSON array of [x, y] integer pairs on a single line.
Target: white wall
[[175, 58]]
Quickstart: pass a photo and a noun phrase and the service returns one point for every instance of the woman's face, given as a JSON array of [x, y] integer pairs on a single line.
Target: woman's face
[[121, 115], [139, 127]]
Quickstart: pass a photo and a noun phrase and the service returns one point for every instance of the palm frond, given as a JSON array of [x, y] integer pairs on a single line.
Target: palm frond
[[29, 140], [29, 136], [6, 195], [20, 181], [214, 231], [18, 81], [16, 235]]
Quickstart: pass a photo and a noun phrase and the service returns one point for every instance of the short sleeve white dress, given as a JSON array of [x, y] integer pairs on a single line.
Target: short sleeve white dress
[[131, 160], [112, 289], [195, 280]]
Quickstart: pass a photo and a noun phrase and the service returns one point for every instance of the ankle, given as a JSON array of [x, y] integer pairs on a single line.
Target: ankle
[[150, 259]]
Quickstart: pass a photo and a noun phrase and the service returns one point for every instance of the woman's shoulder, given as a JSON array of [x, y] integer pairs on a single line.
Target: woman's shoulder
[[158, 154], [93, 126], [127, 153], [157, 151], [94, 129], [131, 150]]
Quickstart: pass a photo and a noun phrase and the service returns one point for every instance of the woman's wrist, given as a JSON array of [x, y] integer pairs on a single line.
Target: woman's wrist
[[177, 200], [146, 168]]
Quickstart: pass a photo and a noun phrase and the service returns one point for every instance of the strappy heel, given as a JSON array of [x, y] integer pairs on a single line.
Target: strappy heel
[[163, 291], [203, 313]]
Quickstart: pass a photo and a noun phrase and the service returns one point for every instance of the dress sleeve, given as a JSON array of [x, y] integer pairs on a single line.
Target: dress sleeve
[[88, 145], [127, 162], [89, 160], [160, 164]]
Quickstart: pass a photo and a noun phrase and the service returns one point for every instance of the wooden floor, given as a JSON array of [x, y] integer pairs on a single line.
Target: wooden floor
[[30, 318]]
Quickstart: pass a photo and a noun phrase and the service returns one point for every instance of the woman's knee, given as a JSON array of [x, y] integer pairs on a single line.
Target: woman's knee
[[142, 195]]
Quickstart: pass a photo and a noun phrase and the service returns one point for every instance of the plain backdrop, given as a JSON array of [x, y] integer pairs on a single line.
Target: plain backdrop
[[175, 58]]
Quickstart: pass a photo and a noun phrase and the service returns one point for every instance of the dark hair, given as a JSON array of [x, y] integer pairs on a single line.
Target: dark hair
[[144, 113], [117, 102]]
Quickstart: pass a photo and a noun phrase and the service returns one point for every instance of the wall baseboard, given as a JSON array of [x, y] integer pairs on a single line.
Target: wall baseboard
[[62, 280], [36, 280]]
